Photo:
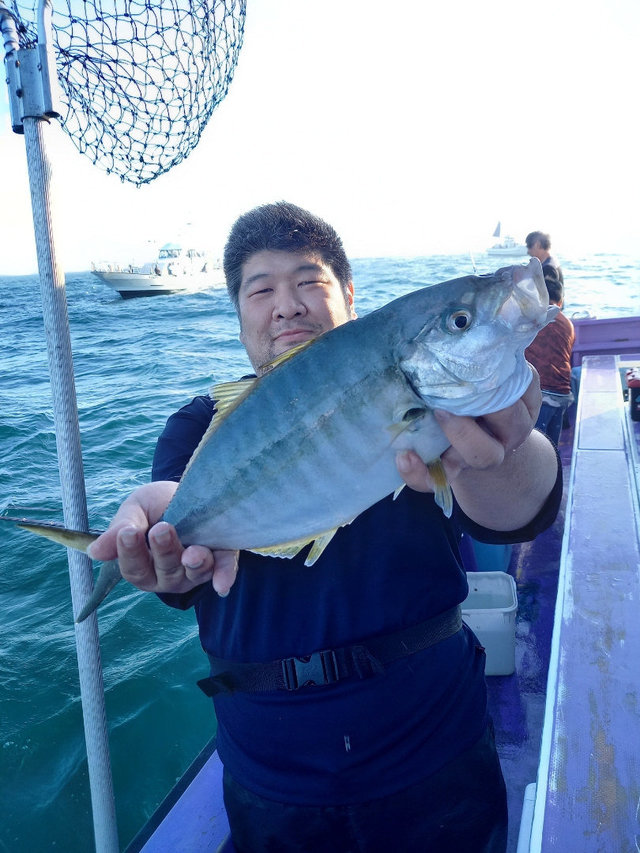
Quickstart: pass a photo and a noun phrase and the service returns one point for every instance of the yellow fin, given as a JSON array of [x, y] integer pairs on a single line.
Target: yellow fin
[[443, 495], [397, 429], [398, 490], [290, 549], [56, 532], [408, 420], [228, 395], [286, 549], [285, 356], [318, 546]]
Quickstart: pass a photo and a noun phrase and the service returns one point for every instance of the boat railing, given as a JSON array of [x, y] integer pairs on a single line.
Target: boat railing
[[610, 335]]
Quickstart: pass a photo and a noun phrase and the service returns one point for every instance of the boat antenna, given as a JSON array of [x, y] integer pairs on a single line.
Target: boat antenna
[[136, 119]]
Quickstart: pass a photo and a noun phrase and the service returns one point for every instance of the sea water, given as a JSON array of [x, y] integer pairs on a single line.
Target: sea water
[[136, 361]]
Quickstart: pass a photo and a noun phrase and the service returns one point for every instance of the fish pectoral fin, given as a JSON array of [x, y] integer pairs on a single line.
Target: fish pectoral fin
[[410, 417], [56, 532], [397, 429], [398, 490], [443, 494]]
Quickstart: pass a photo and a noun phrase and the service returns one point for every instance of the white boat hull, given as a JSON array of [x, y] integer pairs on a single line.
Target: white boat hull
[[132, 284], [507, 251]]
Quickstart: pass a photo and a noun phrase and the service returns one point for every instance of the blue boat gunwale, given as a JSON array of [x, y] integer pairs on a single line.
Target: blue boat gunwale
[[144, 835], [605, 336]]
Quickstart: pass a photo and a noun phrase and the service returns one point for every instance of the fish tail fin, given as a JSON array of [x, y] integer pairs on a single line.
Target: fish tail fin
[[57, 533], [109, 574], [108, 577], [443, 494]]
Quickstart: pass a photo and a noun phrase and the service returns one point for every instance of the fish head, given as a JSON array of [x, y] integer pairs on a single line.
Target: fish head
[[468, 358]]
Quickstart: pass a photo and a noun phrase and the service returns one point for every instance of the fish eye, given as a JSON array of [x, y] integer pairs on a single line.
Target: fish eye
[[458, 321]]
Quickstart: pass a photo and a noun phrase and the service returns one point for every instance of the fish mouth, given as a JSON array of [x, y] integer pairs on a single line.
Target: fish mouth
[[486, 366], [526, 306], [524, 311]]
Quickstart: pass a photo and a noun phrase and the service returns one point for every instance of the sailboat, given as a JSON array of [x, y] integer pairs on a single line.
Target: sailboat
[[507, 246]]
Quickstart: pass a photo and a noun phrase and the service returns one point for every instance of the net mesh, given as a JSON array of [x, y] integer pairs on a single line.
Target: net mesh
[[140, 78]]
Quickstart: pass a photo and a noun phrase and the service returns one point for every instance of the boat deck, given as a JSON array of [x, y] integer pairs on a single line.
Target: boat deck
[[569, 717], [517, 702], [588, 790]]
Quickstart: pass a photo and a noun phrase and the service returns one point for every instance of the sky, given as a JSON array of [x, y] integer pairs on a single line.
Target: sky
[[412, 127]]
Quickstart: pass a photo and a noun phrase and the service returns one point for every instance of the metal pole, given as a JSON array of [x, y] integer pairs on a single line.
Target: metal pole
[[31, 67], [54, 303]]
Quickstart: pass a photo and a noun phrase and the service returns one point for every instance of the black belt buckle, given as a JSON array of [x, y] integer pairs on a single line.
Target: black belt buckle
[[318, 668]]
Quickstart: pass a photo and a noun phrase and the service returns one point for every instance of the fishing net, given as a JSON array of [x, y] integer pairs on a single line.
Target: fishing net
[[140, 78]]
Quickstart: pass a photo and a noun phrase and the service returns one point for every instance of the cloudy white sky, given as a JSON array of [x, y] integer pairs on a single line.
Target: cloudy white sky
[[412, 127]]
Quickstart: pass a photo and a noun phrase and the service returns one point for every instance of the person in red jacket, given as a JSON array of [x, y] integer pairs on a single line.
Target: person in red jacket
[[550, 354]]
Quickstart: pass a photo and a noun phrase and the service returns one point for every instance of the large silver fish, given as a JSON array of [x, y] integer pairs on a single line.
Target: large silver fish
[[303, 450]]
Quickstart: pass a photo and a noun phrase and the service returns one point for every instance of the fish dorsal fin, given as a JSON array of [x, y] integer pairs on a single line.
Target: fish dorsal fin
[[228, 395], [285, 356], [443, 495]]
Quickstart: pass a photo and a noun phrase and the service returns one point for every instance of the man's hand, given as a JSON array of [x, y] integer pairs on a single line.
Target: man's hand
[[499, 470], [476, 442], [157, 561]]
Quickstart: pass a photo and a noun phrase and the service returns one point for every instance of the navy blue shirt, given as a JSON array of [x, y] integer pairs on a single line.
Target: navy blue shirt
[[396, 565]]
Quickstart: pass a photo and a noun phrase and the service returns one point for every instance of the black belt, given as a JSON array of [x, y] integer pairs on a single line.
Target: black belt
[[361, 660]]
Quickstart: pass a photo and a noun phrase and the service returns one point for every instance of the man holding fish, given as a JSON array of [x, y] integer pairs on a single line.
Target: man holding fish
[[350, 700]]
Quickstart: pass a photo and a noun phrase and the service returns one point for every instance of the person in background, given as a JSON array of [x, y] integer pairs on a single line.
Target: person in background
[[550, 354], [538, 246], [390, 747]]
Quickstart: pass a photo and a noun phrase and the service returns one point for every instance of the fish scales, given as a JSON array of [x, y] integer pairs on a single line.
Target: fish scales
[[301, 445]]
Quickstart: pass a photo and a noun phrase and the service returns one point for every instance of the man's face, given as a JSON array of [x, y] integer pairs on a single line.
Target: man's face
[[535, 251], [287, 298]]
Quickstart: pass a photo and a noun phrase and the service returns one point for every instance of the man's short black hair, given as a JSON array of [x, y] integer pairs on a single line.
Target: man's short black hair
[[285, 227], [538, 237], [554, 286]]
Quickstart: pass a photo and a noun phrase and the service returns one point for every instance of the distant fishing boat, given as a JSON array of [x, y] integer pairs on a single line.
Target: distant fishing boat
[[507, 247], [175, 269]]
